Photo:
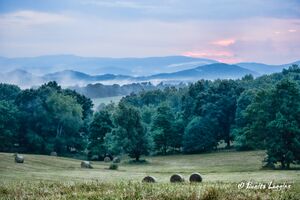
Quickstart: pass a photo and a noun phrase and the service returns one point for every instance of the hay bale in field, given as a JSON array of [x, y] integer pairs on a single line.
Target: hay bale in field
[[195, 177], [175, 178], [53, 153], [19, 158], [86, 164], [149, 179], [117, 160], [107, 159]]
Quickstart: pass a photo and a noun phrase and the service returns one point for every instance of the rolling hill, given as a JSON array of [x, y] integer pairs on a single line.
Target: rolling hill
[[69, 70], [212, 71], [98, 65], [72, 77], [261, 68]]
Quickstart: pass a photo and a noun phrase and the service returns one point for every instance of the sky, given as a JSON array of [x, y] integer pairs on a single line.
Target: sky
[[229, 31]]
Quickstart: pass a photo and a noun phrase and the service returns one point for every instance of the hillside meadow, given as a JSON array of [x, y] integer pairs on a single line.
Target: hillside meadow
[[48, 177]]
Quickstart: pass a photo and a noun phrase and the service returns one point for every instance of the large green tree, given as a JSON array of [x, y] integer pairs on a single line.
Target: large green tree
[[65, 117], [162, 128], [274, 123], [199, 135], [9, 124], [224, 97], [215, 100], [241, 120], [167, 130], [130, 133], [99, 127], [9, 92], [50, 120]]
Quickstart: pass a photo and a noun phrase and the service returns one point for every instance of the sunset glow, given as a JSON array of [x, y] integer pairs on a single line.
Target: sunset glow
[[222, 30]]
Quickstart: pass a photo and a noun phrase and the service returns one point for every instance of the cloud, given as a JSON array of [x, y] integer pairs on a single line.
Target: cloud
[[195, 9], [224, 43], [169, 29], [117, 4], [221, 56], [208, 54], [29, 18]]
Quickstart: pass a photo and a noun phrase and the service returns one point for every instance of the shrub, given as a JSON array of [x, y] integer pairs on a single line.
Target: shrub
[[113, 166]]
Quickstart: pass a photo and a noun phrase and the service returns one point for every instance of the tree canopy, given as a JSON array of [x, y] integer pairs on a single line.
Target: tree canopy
[[248, 113]]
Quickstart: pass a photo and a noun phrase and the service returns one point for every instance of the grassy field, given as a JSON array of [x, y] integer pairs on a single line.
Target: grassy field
[[62, 178], [106, 100]]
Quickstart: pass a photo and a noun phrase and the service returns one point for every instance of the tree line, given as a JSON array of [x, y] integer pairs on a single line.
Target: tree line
[[99, 90], [248, 113]]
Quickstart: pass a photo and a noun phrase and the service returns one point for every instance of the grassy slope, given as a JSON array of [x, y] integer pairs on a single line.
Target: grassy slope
[[220, 166], [46, 177]]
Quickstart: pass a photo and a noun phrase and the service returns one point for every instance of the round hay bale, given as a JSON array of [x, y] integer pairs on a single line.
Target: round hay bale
[[116, 160], [149, 179], [53, 153], [107, 159], [195, 177], [86, 164], [176, 178], [19, 159]]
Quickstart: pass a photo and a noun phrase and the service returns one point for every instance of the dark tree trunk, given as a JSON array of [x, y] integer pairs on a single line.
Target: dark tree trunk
[[59, 130], [137, 158], [165, 150], [228, 143], [282, 164]]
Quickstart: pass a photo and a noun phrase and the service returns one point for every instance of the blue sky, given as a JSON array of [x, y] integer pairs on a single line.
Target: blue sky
[[226, 30]]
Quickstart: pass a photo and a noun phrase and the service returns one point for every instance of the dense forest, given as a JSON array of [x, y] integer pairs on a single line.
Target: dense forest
[[248, 113], [99, 90]]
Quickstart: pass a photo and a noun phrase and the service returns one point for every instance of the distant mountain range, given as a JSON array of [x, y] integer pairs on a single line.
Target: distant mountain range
[[211, 72], [73, 70], [93, 65]]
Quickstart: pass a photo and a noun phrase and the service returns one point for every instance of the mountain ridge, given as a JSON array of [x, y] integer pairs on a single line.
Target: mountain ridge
[[73, 77], [189, 70], [101, 65]]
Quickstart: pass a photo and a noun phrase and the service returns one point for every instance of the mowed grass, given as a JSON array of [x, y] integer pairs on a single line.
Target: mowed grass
[[62, 178], [220, 166]]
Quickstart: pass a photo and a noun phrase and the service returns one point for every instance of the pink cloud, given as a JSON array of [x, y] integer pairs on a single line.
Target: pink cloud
[[221, 56], [230, 60], [208, 54], [224, 43]]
